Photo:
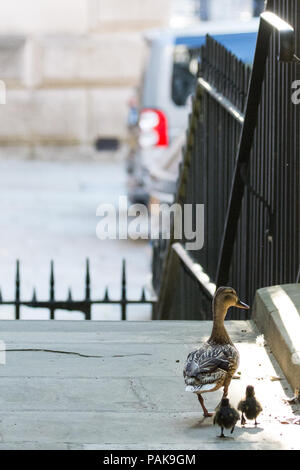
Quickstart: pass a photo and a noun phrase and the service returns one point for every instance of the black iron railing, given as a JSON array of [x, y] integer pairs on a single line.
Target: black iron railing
[[242, 162], [71, 305]]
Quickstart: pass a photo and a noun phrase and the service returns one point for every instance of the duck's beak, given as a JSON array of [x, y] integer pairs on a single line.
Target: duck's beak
[[240, 304]]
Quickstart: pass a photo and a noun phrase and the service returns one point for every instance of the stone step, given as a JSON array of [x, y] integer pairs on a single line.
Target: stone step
[[110, 385]]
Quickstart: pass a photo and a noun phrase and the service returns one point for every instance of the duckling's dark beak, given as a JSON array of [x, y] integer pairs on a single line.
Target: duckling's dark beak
[[240, 304]]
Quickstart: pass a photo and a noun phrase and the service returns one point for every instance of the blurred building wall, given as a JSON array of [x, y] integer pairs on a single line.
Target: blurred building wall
[[230, 10], [213, 10], [70, 67]]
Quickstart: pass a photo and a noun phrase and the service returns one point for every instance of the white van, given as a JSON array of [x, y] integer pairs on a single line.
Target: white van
[[164, 102]]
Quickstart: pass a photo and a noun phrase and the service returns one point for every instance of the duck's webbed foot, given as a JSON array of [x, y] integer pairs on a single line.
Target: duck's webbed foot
[[205, 412], [222, 434]]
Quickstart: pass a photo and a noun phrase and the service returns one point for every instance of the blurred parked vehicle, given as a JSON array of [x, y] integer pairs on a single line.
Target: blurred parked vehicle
[[158, 114]]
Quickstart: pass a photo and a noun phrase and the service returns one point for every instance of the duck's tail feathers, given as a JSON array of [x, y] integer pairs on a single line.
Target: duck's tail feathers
[[200, 388]]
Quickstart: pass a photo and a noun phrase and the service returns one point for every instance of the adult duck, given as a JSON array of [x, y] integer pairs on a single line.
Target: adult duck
[[213, 365]]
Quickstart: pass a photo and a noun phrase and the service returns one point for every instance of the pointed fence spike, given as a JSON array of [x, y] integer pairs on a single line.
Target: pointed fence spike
[[124, 280], [52, 291], [143, 298], [34, 296], [52, 271], [17, 292], [1, 298], [52, 281], [88, 276], [106, 295], [18, 270], [88, 281], [124, 293], [70, 297], [18, 279]]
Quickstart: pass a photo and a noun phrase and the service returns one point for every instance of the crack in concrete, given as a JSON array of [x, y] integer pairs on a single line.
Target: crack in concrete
[[140, 392], [53, 351]]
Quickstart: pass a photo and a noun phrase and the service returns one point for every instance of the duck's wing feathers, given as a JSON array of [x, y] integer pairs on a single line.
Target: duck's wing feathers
[[208, 365], [206, 360]]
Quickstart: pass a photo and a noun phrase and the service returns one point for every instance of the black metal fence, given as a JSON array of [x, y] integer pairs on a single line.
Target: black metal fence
[[69, 304], [242, 162]]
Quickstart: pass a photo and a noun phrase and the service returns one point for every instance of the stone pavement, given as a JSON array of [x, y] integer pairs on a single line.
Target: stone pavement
[[111, 385]]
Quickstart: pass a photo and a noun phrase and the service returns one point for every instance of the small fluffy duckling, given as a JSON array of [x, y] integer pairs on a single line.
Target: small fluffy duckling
[[249, 406], [226, 417]]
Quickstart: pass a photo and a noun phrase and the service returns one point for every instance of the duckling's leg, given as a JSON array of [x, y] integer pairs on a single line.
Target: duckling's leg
[[243, 421], [201, 401], [222, 433]]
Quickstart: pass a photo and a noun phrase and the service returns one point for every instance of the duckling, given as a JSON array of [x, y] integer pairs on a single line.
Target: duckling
[[226, 416], [213, 365], [250, 406]]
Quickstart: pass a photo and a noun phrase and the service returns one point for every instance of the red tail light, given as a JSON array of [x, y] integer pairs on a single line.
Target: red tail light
[[153, 126]]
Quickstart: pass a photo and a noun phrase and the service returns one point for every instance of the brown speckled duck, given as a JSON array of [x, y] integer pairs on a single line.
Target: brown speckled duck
[[213, 365]]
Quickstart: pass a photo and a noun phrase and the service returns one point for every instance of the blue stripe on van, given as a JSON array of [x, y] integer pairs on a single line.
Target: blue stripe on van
[[241, 44]]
